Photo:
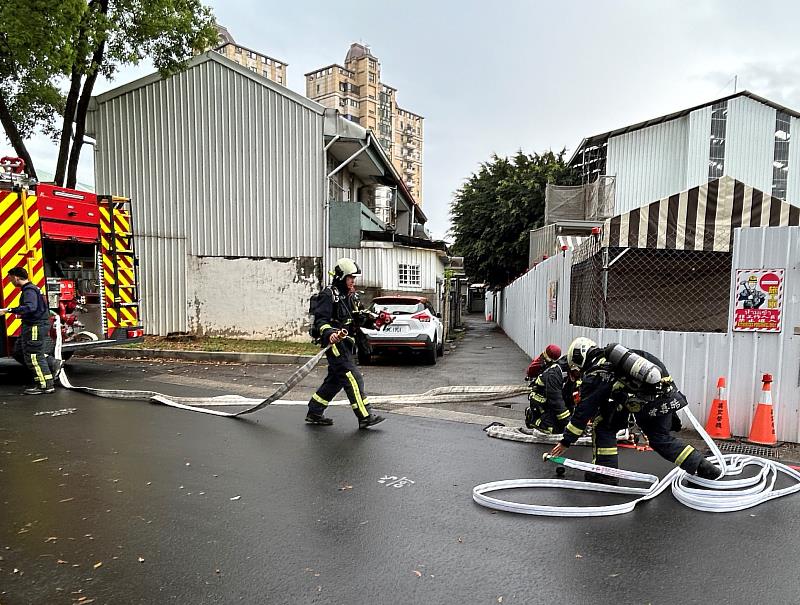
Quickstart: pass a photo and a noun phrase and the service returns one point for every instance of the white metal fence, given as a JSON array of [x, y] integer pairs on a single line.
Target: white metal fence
[[524, 310]]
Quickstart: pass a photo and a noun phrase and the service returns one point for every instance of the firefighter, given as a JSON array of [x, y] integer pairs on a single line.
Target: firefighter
[[337, 310], [552, 398], [751, 296], [615, 383], [538, 365], [34, 339]]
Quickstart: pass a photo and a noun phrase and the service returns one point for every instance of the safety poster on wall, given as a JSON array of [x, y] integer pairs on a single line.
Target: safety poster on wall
[[758, 300]]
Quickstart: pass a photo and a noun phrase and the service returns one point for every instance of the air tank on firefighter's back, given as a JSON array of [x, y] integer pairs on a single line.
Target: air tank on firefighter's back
[[635, 366]]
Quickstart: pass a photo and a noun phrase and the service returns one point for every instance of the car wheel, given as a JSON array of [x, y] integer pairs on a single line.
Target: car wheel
[[430, 353], [440, 349]]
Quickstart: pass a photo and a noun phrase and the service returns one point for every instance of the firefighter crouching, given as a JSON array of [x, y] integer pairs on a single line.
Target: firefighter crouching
[[337, 317], [551, 399], [617, 381], [34, 340], [543, 361]]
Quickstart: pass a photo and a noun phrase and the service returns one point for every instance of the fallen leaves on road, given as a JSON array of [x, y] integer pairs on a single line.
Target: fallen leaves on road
[[345, 487], [98, 565], [40, 459], [236, 498], [140, 559], [579, 556], [418, 573], [50, 539]]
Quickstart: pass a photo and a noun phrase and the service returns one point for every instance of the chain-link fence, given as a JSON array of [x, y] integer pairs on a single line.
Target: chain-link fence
[[650, 289]]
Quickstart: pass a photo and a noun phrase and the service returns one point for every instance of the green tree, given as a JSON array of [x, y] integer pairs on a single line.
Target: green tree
[[495, 209], [89, 39]]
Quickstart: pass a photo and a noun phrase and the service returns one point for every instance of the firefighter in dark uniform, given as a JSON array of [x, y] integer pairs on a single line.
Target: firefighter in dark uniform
[[552, 398], [34, 340], [616, 382], [338, 309]]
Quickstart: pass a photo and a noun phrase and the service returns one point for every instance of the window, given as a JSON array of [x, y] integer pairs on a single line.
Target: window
[[716, 153], [280, 79], [780, 164], [238, 51], [269, 62], [319, 86], [408, 275]]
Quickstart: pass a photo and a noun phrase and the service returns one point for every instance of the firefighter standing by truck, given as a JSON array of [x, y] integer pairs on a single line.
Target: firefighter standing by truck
[[616, 382], [34, 340], [337, 317]]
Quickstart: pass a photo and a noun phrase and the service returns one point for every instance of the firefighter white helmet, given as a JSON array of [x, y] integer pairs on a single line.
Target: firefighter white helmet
[[344, 267], [576, 354]]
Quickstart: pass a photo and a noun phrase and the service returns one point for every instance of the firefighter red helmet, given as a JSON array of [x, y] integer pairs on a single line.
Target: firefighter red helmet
[[552, 352]]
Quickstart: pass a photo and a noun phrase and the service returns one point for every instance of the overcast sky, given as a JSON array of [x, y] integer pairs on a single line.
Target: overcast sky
[[526, 75]]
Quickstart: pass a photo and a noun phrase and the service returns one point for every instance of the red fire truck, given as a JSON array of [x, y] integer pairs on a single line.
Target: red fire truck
[[78, 249]]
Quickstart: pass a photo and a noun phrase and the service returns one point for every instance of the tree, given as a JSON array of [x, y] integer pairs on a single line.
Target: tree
[[495, 209], [92, 39], [35, 50]]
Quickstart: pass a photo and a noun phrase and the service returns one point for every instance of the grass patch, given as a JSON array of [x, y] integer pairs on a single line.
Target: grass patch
[[235, 345]]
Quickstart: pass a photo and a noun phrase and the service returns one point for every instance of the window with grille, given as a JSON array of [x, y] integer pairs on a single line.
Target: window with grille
[[716, 152], [408, 275], [780, 165]]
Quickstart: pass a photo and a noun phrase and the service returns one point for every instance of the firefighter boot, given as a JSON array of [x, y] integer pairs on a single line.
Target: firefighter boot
[[371, 420], [707, 470], [318, 419], [37, 390]]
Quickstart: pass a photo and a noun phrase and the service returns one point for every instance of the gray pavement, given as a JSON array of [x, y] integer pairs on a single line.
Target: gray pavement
[[129, 502]]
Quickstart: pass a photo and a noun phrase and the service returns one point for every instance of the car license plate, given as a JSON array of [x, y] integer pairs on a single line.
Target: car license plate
[[394, 329]]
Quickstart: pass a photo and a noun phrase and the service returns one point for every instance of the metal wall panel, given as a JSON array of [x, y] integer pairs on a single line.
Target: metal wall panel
[[793, 181], [750, 142], [697, 154], [753, 354], [162, 277], [379, 265], [649, 164], [695, 359], [219, 157]]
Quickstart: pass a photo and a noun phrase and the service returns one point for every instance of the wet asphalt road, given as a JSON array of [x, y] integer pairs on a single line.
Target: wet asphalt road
[[128, 502]]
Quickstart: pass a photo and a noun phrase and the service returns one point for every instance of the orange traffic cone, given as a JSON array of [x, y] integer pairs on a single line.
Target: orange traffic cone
[[718, 425], [762, 431]]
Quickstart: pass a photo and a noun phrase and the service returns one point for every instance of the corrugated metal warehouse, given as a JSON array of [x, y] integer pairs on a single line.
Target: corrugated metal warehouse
[[743, 136], [226, 172]]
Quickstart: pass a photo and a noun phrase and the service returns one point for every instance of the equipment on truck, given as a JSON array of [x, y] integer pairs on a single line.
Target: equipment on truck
[[78, 250]]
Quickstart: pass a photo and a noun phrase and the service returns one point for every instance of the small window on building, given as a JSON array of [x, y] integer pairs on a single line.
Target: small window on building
[[238, 51], [269, 62], [280, 79], [319, 86], [716, 152], [408, 275], [780, 164]]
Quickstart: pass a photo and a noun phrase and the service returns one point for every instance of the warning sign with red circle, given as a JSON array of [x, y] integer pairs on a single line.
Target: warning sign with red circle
[[758, 300]]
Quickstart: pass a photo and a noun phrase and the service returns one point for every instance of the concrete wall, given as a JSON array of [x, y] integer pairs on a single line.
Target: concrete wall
[[251, 298]]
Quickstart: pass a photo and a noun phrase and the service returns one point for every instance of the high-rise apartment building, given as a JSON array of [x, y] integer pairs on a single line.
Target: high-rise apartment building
[[356, 90], [269, 67]]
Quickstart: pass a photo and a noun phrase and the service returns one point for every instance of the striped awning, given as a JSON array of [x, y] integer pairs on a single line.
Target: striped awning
[[570, 241], [701, 218]]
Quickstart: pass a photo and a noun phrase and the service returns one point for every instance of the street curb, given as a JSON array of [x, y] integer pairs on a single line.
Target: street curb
[[263, 358]]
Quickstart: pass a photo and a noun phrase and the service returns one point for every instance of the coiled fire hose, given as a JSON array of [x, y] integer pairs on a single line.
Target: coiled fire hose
[[709, 495], [251, 405]]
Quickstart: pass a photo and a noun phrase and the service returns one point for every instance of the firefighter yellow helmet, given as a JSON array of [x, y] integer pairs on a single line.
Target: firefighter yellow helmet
[[344, 267], [576, 354]]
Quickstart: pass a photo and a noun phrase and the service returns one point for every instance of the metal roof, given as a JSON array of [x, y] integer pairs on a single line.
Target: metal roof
[[602, 138], [210, 55]]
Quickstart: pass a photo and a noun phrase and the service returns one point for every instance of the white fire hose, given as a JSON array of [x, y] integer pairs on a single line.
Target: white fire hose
[[719, 496], [250, 405]]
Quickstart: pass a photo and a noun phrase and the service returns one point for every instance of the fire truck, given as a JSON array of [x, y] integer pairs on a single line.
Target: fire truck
[[78, 249]]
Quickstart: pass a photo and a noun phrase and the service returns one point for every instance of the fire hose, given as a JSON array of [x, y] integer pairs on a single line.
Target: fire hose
[[709, 495], [251, 405]]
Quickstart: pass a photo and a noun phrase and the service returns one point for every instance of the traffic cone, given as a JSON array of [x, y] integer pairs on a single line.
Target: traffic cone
[[762, 432], [718, 425]]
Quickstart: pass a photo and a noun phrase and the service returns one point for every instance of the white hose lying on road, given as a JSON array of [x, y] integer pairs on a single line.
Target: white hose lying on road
[[719, 496], [250, 405]]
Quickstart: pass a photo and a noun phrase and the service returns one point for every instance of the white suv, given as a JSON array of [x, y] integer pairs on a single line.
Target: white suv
[[416, 327]]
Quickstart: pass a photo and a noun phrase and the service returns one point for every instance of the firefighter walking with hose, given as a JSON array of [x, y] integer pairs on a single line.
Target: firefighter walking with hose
[[337, 317]]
